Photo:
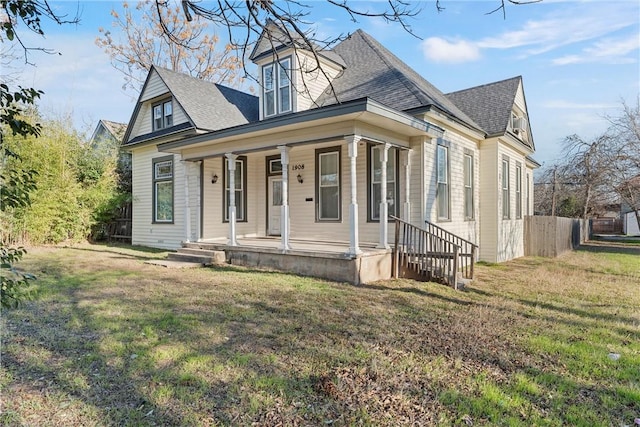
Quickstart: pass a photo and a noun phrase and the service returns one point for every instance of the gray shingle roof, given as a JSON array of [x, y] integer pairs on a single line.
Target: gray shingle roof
[[210, 106], [489, 105], [374, 72]]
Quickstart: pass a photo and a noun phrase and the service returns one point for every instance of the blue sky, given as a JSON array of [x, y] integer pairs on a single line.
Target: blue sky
[[579, 59]]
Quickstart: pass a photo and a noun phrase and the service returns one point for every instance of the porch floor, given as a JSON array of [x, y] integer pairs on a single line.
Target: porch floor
[[329, 260], [297, 246]]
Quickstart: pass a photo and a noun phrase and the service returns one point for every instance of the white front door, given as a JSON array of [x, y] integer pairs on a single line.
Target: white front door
[[275, 204]]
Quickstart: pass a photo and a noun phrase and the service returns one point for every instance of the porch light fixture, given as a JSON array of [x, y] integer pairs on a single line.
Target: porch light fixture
[[300, 180], [214, 178]]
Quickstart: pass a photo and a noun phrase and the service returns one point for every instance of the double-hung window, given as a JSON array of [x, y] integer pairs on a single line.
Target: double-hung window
[[375, 181], [442, 175], [162, 115], [506, 189], [240, 185], [518, 190], [276, 87], [328, 183], [468, 186], [163, 190]]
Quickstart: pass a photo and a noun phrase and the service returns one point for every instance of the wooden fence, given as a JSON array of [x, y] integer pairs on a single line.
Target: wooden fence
[[119, 229], [550, 236], [606, 226]]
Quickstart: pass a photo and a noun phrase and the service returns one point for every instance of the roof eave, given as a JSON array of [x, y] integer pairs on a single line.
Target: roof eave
[[363, 105]]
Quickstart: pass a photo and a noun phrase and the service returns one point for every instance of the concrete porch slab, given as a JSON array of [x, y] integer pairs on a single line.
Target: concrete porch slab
[[174, 264]]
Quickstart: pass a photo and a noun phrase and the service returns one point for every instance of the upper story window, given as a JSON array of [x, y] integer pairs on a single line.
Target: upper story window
[[518, 124], [162, 114], [276, 88]]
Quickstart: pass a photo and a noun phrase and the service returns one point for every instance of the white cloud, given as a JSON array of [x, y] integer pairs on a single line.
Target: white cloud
[[556, 30], [612, 51], [438, 49]]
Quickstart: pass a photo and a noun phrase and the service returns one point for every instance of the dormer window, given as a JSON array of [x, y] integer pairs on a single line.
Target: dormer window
[[162, 115], [518, 124], [276, 87]]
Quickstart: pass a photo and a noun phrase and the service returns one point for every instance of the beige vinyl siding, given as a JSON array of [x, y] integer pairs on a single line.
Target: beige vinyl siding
[[467, 229], [154, 91], [417, 183], [510, 231], [302, 211], [145, 232], [488, 201], [519, 99], [193, 173], [310, 84], [213, 202]]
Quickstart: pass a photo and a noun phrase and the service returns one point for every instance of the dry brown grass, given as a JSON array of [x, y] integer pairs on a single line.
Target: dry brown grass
[[113, 341]]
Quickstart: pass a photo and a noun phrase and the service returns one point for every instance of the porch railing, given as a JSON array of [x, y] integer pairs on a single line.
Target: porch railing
[[432, 253]]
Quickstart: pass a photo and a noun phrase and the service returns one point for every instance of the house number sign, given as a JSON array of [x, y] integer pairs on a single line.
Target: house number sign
[[297, 167]]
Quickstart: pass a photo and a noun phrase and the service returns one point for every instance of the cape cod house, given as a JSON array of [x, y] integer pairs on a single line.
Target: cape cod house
[[331, 173]]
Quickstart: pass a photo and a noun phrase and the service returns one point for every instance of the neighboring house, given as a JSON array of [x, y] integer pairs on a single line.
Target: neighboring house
[[630, 223], [213, 164], [108, 135]]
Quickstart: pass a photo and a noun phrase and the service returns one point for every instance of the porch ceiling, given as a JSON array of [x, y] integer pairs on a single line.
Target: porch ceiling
[[312, 126]]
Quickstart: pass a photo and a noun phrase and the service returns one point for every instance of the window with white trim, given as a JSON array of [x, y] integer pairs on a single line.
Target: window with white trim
[[328, 185], [518, 190], [240, 186], [163, 190], [442, 190], [375, 181], [468, 186], [276, 88], [506, 189], [162, 115]]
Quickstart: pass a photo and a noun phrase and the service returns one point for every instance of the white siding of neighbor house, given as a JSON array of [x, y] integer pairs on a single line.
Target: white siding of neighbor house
[[630, 223], [155, 90]]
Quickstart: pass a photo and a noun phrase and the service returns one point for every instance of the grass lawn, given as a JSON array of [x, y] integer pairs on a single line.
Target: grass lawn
[[113, 341]]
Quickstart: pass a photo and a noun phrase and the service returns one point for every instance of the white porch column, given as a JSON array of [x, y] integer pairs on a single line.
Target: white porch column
[[406, 207], [284, 209], [384, 206], [354, 244], [231, 174], [187, 209]]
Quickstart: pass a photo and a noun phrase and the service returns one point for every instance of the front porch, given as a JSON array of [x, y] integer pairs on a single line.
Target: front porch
[[327, 260]]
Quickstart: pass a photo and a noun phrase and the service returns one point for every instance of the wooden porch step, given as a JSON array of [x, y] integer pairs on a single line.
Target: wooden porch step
[[202, 256]]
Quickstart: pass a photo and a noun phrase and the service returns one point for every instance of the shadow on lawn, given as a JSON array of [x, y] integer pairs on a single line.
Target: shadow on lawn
[[245, 345], [604, 247]]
